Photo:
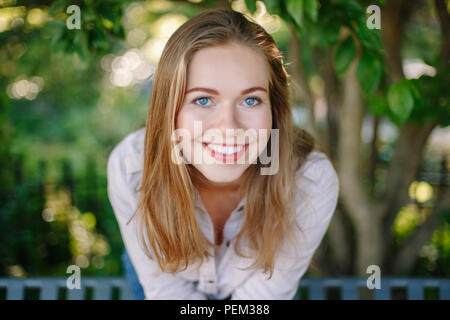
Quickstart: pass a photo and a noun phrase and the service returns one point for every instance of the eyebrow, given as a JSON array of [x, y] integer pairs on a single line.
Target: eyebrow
[[212, 91]]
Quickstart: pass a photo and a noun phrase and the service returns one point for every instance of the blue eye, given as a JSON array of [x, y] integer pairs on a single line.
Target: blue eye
[[203, 101], [250, 101], [254, 99]]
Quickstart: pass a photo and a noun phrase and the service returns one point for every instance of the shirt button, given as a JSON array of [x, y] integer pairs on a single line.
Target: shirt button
[[211, 281], [228, 243]]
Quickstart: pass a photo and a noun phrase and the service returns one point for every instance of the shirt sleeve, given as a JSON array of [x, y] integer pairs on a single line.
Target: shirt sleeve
[[320, 182], [156, 286]]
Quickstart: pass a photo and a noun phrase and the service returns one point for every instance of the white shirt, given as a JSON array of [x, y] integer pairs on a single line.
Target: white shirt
[[220, 276]]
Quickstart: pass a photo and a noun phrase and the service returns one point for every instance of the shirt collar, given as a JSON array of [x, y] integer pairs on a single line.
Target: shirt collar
[[236, 213]]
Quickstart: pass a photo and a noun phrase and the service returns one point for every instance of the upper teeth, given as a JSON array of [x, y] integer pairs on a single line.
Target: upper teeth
[[225, 149]]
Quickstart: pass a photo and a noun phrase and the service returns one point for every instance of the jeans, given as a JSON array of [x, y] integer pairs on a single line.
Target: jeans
[[131, 276]]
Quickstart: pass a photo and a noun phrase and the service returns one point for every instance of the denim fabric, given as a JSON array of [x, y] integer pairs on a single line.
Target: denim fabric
[[131, 276]]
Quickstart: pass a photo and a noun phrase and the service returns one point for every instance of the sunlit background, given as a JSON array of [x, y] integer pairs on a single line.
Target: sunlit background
[[61, 115]]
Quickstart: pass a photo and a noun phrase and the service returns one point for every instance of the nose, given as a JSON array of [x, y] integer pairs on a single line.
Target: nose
[[225, 127], [227, 118]]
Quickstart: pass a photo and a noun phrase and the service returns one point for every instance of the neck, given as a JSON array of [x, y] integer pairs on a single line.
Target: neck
[[203, 184], [222, 186]]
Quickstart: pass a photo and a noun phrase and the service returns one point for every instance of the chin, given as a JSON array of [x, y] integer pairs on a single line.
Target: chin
[[223, 173]]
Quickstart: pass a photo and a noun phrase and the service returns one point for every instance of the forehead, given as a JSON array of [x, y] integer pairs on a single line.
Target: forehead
[[228, 66]]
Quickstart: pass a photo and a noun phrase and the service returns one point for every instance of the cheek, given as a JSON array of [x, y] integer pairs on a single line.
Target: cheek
[[184, 120], [261, 120], [185, 131], [264, 121], [269, 118], [180, 120]]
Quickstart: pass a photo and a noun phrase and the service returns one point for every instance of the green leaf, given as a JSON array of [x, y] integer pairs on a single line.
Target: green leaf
[[57, 7], [54, 29], [420, 111], [306, 56], [99, 40], [401, 100], [251, 5], [344, 55], [315, 35], [369, 72], [369, 38], [118, 31], [311, 9], [110, 15], [377, 105], [81, 42], [107, 12], [444, 216], [69, 45], [295, 10], [273, 6], [415, 89], [330, 31], [352, 8]]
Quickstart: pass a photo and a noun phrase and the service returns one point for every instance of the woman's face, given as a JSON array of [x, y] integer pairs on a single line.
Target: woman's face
[[226, 114]]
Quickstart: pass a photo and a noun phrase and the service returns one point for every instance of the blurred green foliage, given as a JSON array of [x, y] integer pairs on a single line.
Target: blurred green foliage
[[319, 24], [54, 209]]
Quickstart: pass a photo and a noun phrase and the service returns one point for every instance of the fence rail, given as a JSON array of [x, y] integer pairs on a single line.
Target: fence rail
[[56, 288], [107, 288], [390, 288]]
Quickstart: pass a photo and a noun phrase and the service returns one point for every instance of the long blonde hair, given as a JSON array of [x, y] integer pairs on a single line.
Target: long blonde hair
[[166, 205]]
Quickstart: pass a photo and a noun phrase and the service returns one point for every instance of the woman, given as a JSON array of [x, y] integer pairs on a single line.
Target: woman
[[219, 196]]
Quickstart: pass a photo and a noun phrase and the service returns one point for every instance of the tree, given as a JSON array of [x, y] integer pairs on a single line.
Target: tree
[[361, 69], [331, 45]]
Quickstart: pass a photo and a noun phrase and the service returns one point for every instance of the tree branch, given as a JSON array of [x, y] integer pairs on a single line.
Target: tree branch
[[394, 16], [300, 80], [444, 20], [402, 171], [373, 154], [332, 96], [391, 34]]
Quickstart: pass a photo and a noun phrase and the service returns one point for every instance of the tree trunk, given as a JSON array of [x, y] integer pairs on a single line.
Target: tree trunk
[[373, 155], [340, 243], [339, 233], [332, 96], [444, 19], [402, 171], [393, 18], [407, 255], [355, 198], [301, 82]]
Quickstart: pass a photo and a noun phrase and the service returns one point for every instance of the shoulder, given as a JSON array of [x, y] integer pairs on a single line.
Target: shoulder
[[318, 189], [126, 158], [317, 170]]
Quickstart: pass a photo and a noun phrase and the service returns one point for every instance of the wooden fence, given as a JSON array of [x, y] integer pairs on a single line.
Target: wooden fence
[[117, 288]]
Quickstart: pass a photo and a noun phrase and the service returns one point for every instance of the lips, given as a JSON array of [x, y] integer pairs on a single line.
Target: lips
[[226, 152]]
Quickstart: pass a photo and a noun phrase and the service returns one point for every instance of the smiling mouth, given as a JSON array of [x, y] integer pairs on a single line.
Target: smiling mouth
[[224, 152]]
